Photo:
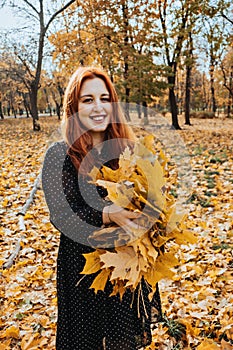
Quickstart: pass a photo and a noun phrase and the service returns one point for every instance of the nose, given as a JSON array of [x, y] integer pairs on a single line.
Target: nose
[[98, 106]]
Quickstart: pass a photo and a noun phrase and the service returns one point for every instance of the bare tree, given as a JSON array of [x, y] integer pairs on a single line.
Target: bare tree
[[34, 70], [174, 30]]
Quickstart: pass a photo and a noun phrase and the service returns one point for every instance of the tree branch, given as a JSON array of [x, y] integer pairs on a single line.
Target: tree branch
[[21, 223], [163, 23], [12, 257], [3, 4], [31, 196], [32, 7], [181, 36], [24, 64], [227, 18], [225, 80], [58, 12]]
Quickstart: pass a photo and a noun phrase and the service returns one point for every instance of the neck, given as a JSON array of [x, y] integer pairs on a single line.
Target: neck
[[97, 139]]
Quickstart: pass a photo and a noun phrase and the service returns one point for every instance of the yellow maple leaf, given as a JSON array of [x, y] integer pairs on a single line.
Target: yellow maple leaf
[[5, 345], [95, 174], [145, 148], [119, 194], [118, 259], [48, 274], [151, 252], [193, 331], [28, 216], [185, 236], [30, 341], [100, 280], [93, 263], [118, 288], [149, 209], [140, 184], [110, 175], [208, 344], [174, 219], [5, 202], [225, 345], [11, 332], [161, 268], [159, 241], [168, 259], [156, 181], [148, 141], [156, 273]]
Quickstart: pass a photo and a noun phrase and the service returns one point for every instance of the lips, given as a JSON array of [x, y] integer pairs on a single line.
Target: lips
[[98, 118]]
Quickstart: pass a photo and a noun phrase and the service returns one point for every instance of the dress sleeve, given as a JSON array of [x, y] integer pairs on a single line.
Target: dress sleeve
[[75, 206]]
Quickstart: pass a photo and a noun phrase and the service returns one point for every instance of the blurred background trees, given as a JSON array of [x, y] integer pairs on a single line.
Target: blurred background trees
[[174, 56]]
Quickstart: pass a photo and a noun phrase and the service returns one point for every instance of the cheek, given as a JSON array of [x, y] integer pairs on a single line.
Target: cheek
[[84, 111], [109, 109]]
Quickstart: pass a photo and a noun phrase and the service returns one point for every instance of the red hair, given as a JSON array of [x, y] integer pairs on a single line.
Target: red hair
[[79, 140]]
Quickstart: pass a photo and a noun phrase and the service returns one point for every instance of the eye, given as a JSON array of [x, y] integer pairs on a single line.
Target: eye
[[105, 99], [87, 100]]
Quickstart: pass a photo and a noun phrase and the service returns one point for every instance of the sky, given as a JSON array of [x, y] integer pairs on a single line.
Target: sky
[[7, 19], [9, 23]]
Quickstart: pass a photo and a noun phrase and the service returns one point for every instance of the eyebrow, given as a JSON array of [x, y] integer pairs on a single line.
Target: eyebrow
[[92, 95]]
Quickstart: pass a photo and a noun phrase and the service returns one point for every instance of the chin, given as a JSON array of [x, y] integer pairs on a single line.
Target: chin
[[101, 128]]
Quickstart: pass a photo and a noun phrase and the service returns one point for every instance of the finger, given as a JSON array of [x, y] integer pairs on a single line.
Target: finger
[[133, 215], [130, 225]]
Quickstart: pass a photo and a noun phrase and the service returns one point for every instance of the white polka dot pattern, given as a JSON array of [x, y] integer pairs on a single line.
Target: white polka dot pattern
[[87, 321]]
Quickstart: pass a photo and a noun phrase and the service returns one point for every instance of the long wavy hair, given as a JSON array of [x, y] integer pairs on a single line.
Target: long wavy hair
[[78, 139]]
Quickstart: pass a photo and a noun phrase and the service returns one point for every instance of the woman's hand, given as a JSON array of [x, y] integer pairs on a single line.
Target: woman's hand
[[121, 217]]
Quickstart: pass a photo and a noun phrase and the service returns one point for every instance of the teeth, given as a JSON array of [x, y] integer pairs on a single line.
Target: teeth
[[98, 118]]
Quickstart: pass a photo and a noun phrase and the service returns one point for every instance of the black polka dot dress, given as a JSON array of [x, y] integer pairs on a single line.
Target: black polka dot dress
[[87, 321]]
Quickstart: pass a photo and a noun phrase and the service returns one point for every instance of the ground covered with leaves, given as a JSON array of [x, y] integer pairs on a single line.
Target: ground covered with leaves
[[197, 303]]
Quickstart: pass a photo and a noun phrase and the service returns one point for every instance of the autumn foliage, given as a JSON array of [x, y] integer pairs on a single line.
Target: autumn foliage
[[139, 184], [196, 301]]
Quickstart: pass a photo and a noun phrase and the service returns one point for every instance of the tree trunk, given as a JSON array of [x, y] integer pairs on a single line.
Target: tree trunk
[[34, 110], [212, 89], [60, 102], [230, 97], [26, 109], [229, 103], [36, 82], [26, 105], [189, 64], [173, 103], [58, 110], [125, 54], [127, 91], [139, 111], [145, 112], [174, 109], [204, 99], [13, 110], [47, 101], [1, 112], [187, 94]]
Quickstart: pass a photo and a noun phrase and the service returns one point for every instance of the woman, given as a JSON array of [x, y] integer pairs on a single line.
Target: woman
[[95, 133]]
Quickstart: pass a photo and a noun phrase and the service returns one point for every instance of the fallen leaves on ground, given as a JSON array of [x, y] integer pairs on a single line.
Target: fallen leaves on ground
[[198, 301], [200, 297], [27, 290]]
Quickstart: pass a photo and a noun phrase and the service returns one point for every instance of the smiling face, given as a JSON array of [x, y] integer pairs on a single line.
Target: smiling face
[[95, 108]]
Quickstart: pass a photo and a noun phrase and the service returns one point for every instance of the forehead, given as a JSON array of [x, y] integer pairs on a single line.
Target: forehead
[[93, 86]]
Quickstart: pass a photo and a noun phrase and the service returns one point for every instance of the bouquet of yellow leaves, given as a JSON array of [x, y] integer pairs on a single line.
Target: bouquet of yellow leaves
[[139, 184]]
